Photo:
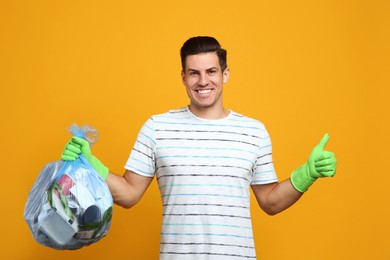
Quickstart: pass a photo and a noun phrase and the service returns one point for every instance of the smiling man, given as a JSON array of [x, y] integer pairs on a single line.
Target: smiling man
[[205, 159]]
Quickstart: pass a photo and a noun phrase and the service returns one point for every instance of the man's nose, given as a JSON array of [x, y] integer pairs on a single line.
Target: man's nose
[[203, 80]]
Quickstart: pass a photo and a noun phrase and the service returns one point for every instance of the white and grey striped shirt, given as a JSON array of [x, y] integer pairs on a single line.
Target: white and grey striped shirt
[[204, 169]]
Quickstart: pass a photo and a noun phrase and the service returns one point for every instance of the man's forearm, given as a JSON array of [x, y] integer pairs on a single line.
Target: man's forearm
[[128, 189], [284, 195], [120, 190], [276, 197]]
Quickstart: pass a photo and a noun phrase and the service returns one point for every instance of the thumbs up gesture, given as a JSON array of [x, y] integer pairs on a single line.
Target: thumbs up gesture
[[321, 163]]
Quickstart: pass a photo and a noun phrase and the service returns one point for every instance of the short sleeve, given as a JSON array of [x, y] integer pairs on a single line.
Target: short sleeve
[[142, 157], [264, 171]]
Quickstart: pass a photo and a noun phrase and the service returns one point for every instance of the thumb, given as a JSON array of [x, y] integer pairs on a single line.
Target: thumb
[[323, 142]]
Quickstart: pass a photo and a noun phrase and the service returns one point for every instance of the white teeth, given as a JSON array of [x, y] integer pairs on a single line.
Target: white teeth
[[204, 91]]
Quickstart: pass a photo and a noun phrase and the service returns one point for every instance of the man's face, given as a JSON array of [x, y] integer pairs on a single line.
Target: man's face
[[204, 80]]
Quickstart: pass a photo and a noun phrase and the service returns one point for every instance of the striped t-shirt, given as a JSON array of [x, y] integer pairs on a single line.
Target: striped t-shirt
[[204, 169]]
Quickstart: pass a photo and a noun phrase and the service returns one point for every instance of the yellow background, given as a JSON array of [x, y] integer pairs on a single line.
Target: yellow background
[[303, 68]]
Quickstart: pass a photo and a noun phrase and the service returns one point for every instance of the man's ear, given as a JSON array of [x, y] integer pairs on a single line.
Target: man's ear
[[226, 75]]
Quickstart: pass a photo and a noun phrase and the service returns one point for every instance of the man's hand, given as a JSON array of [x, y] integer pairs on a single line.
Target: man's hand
[[321, 163], [77, 146]]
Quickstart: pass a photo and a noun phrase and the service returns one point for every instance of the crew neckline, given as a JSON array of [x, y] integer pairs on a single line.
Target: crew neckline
[[209, 120]]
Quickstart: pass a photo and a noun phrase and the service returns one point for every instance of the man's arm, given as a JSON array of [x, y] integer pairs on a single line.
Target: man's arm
[[128, 189], [276, 197]]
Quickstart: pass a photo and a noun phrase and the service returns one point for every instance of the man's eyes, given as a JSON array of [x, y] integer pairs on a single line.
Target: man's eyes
[[209, 72]]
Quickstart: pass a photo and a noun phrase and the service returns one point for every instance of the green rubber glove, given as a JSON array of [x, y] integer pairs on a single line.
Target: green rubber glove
[[320, 164], [77, 146]]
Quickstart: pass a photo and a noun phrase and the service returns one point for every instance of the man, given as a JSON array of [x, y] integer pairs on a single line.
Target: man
[[205, 158]]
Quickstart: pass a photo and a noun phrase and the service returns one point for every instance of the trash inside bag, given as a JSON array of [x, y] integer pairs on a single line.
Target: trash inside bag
[[69, 205]]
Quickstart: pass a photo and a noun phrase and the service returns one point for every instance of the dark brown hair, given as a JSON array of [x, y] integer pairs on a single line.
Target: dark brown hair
[[203, 44]]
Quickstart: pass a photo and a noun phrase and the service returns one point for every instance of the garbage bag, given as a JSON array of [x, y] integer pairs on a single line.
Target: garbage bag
[[69, 205]]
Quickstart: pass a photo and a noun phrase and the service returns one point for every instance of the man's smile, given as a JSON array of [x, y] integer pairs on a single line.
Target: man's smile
[[203, 91]]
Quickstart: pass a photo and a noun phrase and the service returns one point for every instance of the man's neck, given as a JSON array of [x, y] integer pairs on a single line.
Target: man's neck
[[209, 113]]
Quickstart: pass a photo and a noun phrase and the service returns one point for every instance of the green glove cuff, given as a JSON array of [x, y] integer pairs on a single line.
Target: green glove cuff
[[104, 173], [98, 166], [300, 178]]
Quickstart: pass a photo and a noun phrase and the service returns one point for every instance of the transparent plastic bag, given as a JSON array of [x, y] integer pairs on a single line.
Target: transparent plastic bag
[[69, 205]]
